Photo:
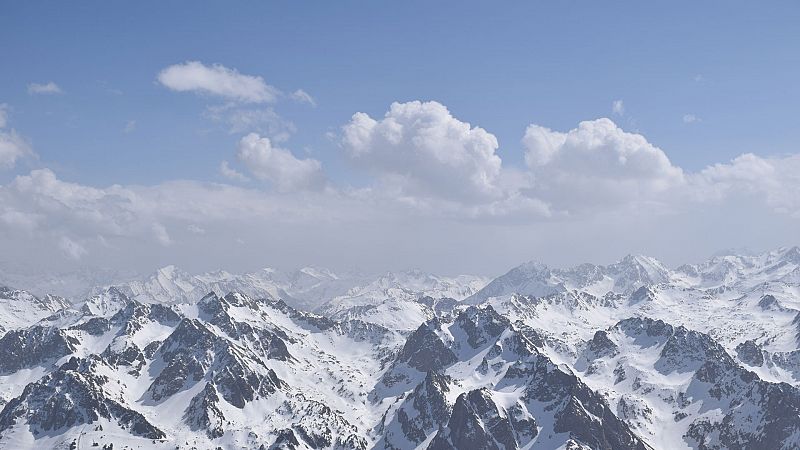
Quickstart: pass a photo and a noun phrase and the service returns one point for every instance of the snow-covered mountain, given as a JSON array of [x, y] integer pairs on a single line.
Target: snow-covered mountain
[[304, 288], [537, 279], [632, 355], [19, 309], [402, 300]]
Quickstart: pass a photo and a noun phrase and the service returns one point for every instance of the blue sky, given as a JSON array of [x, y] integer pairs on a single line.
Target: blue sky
[[702, 81]]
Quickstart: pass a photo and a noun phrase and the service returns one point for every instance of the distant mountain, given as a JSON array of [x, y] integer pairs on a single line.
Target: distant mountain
[[304, 288], [402, 300], [19, 309], [538, 280]]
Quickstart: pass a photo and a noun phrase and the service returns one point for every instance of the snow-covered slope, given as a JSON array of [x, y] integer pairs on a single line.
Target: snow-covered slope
[[402, 301], [538, 280], [19, 309], [304, 288], [630, 355]]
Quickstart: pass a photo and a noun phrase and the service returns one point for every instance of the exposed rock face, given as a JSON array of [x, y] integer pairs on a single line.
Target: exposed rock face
[[534, 391], [477, 423], [204, 414], [37, 345], [424, 350], [73, 395], [750, 353], [421, 413]]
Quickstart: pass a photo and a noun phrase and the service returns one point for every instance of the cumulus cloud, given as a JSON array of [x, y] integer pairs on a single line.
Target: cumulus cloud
[[278, 166], [438, 183], [422, 150], [596, 164], [20, 220], [217, 80], [775, 179], [44, 88]]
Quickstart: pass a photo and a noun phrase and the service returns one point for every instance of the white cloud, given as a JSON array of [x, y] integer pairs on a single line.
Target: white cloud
[[46, 88], [20, 220], [438, 184], [134, 224], [13, 148], [618, 107], [775, 179], [218, 80], [596, 165], [228, 172], [421, 150], [690, 118], [130, 126], [303, 97], [71, 248], [278, 166]]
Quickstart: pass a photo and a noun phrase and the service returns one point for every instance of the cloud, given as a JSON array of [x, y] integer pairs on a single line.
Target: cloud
[[13, 147], [596, 165], [217, 80], [195, 229], [245, 120], [617, 107], [136, 220], [144, 224], [130, 126], [46, 88], [71, 248], [278, 166], [302, 97], [20, 220], [228, 172], [690, 118], [421, 150], [160, 232], [775, 179], [433, 184]]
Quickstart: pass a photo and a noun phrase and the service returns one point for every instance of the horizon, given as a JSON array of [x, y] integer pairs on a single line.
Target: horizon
[[33, 284]]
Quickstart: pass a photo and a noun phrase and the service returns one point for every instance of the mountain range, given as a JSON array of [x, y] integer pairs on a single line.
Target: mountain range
[[630, 355]]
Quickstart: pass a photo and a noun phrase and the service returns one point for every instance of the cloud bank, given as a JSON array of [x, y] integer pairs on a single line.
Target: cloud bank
[[435, 190]]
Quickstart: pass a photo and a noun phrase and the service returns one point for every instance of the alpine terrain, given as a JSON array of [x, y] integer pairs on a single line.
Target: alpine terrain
[[632, 355]]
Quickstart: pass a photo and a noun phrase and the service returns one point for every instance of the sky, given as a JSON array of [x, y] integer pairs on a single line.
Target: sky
[[449, 136]]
